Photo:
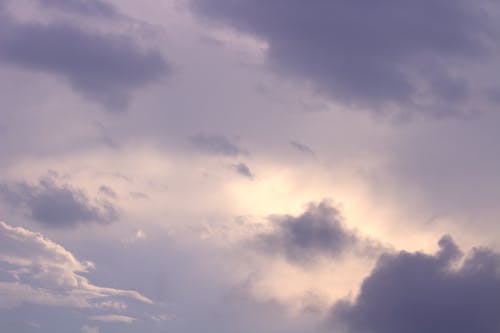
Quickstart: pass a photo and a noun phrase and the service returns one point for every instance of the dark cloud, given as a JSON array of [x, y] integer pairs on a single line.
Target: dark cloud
[[216, 144], [302, 148], [103, 67], [82, 7], [243, 170], [373, 54], [315, 233], [415, 292], [57, 206]]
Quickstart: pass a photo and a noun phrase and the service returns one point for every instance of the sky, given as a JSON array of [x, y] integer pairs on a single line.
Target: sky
[[241, 166]]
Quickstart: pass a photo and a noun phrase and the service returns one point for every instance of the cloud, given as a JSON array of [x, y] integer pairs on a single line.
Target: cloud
[[57, 206], [302, 148], [139, 235], [318, 232], [108, 191], [90, 329], [216, 144], [138, 195], [82, 7], [370, 55], [244, 170], [43, 272], [114, 319], [105, 68], [416, 292]]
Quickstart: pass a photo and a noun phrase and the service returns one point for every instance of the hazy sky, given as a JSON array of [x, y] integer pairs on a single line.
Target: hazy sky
[[242, 166]]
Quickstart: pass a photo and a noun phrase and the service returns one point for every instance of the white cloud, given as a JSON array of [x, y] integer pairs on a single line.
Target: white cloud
[[114, 319], [43, 272]]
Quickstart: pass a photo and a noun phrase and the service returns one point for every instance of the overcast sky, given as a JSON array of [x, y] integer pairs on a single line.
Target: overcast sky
[[242, 166]]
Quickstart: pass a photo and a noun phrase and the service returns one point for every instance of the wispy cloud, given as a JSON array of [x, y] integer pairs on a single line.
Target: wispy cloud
[[216, 144]]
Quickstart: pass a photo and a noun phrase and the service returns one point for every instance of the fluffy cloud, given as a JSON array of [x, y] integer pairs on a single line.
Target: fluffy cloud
[[416, 292], [318, 232], [57, 206], [39, 271]]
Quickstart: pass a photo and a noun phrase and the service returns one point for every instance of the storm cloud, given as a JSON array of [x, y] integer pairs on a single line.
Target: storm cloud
[[416, 292], [57, 206], [105, 68], [366, 54]]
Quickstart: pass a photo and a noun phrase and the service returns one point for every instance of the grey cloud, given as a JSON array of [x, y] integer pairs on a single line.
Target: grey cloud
[[243, 170], [302, 148], [139, 195], [302, 239], [416, 292], [82, 7], [108, 191], [57, 206], [216, 144], [105, 68], [368, 54]]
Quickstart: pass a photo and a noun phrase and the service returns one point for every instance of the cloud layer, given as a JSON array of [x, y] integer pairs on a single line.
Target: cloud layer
[[239, 114]]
